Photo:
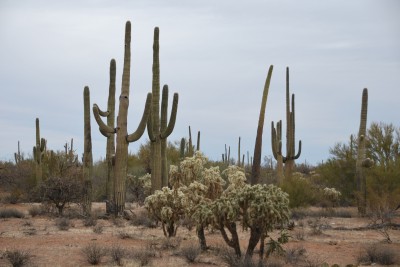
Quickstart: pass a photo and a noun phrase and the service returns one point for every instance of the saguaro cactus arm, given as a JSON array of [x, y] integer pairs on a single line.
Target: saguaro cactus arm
[[142, 125], [103, 113], [172, 120], [104, 128]]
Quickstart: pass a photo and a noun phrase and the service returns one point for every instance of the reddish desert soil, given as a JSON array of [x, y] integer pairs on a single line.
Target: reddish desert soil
[[53, 247]]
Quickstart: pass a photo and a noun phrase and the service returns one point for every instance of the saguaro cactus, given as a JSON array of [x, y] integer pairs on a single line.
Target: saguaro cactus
[[121, 131], [18, 156], [110, 149], [38, 152], [276, 137], [362, 161], [159, 128], [255, 173], [291, 155], [87, 154]]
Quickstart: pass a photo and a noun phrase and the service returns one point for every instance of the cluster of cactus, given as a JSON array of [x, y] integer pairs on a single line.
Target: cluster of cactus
[[256, 167], [192, 184], [198, 193], [39, 152], [87, 154], [120, 131], [159, 127], [276, 138], [226, 156]]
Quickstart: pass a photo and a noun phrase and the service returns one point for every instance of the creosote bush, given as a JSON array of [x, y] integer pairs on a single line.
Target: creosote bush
[[11, 213], [191, 252], [93, 253], [380, 254], [18, 258]]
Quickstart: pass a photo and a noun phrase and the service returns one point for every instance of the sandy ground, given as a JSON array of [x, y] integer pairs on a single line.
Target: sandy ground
[[52, 247]]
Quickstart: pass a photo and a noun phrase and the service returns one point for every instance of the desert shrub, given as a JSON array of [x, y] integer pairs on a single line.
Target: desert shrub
[[18, 258], [37, 211], [142, 219], [11, 213], [63, 224], [144, 256], [98, 228], [90, 221], [93, 253], [118, 222], [60, 191], [124, 235], [317, 226], [190, 252], [117, 254], [380, 254], [295, 256], [171, 243], [139, 187], [301, 191]]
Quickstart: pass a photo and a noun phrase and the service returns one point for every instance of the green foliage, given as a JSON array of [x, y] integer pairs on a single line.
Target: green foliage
[[382, 146], [301, 191]]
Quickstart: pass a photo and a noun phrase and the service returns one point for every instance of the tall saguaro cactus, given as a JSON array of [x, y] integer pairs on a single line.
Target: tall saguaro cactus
[[110, 149], [159, 128], [38, 152], [255, 173], [121, 131], [362, 161], [87, 154], [291, 155]]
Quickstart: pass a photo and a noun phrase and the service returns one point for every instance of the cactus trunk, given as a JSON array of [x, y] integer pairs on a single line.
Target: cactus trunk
[[361, 155], [87, 155], [255, 174], [38, 152]]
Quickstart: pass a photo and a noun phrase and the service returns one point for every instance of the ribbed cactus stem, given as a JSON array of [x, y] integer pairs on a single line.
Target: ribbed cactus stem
[[38, 152], [361, 153], [182, 148], [238, 161], [18, 156], [198, 141], [158, 126], [190, 150], [276, 137], [87, 154], [110, 148], [121, 131], [256, 168]]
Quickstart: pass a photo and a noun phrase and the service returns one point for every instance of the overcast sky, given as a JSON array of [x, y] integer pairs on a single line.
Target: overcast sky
[[215, 54]]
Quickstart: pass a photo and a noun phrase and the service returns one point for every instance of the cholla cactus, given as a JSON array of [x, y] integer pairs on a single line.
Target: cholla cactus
[[258, 207], [167, 206], [235, 176], [332, 195]]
